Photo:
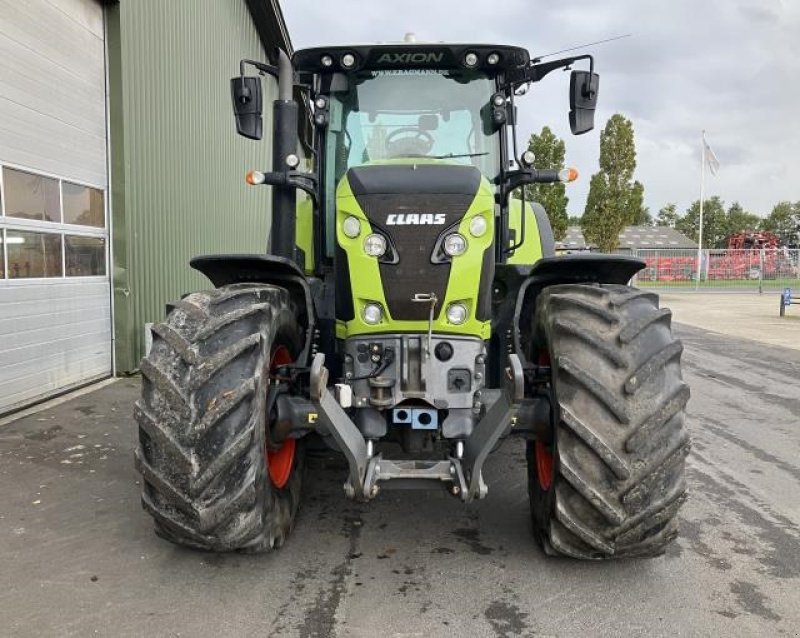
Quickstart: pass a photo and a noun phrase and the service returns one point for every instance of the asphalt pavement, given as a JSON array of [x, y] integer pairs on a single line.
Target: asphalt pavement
[[78, 556]]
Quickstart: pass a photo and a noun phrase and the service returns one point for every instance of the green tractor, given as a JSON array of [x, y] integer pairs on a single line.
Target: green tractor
[[412, 314]]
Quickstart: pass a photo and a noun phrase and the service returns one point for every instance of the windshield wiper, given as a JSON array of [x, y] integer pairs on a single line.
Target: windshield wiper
[[453, 156], [448, 156]]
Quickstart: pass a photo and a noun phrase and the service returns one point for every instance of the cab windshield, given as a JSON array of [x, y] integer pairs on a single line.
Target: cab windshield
[[410, 114]]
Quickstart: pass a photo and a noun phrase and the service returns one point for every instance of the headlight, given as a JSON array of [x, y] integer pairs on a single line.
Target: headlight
[[373, 313], [375, 245], [456, 313], [351, 227], [477, 226], [455, 244]]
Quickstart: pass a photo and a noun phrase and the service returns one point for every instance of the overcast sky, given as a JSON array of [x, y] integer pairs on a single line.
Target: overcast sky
[[730, 67]]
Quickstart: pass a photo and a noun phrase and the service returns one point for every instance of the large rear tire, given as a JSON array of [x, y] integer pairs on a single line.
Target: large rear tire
[[203, 427], [608, 481]]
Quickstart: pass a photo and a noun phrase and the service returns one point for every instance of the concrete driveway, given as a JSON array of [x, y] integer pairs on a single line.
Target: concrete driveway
[[78, 557]]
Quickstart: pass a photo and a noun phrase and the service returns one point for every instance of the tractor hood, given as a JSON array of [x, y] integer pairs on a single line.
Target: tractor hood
[[414, 207]]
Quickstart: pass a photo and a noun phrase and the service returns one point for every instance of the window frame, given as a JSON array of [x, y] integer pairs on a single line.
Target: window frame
[[60, 229]]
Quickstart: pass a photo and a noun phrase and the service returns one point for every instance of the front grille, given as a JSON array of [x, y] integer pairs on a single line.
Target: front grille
[[413, 273]]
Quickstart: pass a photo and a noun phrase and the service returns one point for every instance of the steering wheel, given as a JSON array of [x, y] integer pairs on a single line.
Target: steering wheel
[[407, 141]]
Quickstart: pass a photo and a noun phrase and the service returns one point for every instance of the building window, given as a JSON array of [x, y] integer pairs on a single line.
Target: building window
[[33, 255], [84, 256], [83, 205], [30, 196], [50, 227]]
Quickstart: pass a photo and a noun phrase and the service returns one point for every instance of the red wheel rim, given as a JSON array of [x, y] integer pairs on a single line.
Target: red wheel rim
[[544, 465], [280, 461], [543, 454]]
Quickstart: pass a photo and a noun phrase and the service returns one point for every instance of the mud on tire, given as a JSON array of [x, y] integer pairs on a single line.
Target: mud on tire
[[619, 446], [202, 421]]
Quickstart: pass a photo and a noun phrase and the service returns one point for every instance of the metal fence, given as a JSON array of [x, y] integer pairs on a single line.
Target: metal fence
[[720, 270]]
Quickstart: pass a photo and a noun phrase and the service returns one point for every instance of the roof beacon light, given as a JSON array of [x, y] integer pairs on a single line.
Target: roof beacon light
[[326, 61], [471, 59], [348, 60], [568, 175], [493, 58], [254, 178]]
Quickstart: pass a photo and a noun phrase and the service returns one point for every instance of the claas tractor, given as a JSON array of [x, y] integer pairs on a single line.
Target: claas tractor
[[410, 313]]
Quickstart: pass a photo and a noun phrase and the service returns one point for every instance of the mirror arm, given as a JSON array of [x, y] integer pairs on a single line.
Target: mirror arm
[[515, 179], [264, 68], [521, 177], [537, 70], [306, 182]]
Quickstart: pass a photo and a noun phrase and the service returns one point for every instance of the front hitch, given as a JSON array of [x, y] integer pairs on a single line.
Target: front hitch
[[463, 472]]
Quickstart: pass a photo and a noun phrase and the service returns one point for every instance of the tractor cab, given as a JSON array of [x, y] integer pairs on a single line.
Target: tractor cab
[[422, 105]]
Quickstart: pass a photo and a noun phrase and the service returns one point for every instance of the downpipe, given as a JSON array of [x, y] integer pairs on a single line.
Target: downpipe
[[284, 143]]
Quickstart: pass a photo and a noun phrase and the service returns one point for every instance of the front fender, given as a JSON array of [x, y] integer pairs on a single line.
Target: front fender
[[513, 315], [582, 268], [223, 270]]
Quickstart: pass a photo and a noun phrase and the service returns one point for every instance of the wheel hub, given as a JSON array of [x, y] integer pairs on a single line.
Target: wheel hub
[[281, 460], [542, 452], [544, 465]]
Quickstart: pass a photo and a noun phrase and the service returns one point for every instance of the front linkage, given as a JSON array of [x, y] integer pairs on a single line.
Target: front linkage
[[463, 471]]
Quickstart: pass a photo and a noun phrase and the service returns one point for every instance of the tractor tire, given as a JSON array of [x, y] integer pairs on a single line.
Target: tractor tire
[[203, 427], [608, 480]]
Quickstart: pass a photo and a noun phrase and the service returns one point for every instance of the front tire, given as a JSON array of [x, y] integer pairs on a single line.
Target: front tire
[[608, 481], [203, 425]]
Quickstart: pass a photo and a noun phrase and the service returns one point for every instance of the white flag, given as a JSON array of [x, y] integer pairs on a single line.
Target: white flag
[[709, 157]]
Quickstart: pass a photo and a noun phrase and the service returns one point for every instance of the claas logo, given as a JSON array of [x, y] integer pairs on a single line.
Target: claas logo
[[415, 219]]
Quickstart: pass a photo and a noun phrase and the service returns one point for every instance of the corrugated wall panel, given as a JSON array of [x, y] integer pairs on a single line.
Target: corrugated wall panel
[[184, 166], [53, 335], [52, 107]]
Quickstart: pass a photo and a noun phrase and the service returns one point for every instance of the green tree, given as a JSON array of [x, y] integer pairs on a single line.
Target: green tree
[[738, 219], [574, 220], [715, 223], [668, 216], [639, 213], [614, 200], [784, 221], [600, 226], [549, 150]]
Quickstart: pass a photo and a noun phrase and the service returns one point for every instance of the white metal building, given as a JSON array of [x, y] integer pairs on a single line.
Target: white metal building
[[118, 164], [55, 297]]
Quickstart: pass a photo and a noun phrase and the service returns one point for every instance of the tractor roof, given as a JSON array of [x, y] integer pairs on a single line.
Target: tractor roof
[[404, 55]]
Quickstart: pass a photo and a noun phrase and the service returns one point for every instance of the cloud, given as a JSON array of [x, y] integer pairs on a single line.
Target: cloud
[[726, 66]]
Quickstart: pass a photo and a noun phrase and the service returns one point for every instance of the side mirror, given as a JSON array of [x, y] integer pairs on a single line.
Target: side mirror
[[246, 95], [583, 86]]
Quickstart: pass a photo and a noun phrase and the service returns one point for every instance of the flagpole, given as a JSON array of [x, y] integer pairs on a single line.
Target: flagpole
[[702, 198]]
